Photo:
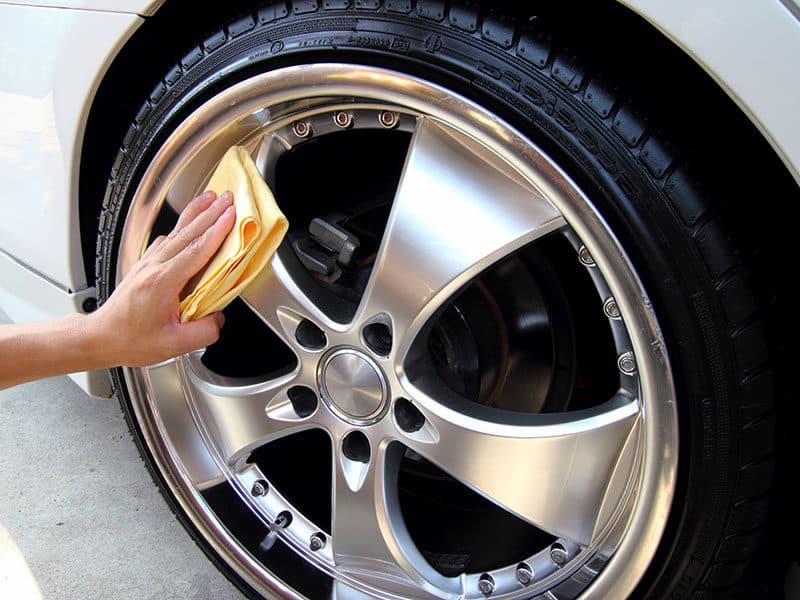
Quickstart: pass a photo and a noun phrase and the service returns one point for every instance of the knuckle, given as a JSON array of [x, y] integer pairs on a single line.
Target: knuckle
[[154, 246], [197, 245], [211, 333], [151, 276]]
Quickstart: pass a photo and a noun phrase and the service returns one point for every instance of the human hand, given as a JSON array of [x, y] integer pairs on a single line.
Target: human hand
[[140, 323]]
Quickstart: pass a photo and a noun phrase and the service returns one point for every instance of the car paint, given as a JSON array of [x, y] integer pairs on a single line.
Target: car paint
[[137, 7], [52, 61], [750, 50]]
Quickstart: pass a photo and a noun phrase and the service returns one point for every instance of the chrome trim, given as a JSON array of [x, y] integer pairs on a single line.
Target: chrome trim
[[353, 386]]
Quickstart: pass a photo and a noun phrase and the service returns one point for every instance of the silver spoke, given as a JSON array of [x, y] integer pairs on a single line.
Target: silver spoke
[[456, 211], [242, 418], [342, 591], [551, 470], [369, 539], [280, 302], [177, 419]]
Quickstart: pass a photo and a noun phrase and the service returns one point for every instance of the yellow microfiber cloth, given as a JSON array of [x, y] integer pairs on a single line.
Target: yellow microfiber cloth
[[258, 231]]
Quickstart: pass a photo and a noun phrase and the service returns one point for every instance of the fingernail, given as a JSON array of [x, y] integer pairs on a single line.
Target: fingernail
[[227, 196], [220, 319]]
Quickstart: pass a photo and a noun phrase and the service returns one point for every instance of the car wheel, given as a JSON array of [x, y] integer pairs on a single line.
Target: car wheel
[[499, 353]]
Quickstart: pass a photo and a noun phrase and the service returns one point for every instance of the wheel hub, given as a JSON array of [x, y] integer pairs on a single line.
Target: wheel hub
[[353, 386]]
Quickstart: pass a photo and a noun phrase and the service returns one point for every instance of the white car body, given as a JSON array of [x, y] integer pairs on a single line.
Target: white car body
[[54, 55]]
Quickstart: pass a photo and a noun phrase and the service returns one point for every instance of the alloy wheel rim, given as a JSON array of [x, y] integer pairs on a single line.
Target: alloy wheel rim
[[205, 439]]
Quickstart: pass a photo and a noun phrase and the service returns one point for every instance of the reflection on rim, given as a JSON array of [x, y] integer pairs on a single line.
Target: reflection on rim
[[605, 476]]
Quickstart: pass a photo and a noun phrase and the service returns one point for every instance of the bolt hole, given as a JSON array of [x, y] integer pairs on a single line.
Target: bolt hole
[[343, 119], [388, 119], [558, 554], [486, 584], [303, 399], [378, 338], [260, 488], [524, 573], [283, 520], [408, 416], [317, 541], [356, 447], [302, 129], [310, 336]]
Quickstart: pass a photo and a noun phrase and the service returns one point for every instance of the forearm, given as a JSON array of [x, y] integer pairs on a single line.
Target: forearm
[[65, 345]]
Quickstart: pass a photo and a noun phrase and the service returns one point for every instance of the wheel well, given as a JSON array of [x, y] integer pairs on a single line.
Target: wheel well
[[632, 50]]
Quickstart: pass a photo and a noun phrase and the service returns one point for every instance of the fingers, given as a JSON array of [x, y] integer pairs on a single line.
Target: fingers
[[199, 334], [154, 246], [194, 229], [199, 251], [192, 210]]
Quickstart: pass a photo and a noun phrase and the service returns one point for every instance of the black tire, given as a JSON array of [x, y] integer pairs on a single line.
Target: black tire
[[624, 152]]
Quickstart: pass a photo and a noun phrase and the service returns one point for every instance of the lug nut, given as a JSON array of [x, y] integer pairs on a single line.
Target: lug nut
[[317, 542], [302, 129], [585, 258], [524, 573], [626, 363], [355, 446], [486, 584], [611, 308], [378, 338], [260, 488], [310, 336], [409, 418], [558, 554], [343, 119], [303, 399], [388, 119]]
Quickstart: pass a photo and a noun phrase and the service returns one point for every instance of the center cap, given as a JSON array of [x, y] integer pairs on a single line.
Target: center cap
[[353, 385]]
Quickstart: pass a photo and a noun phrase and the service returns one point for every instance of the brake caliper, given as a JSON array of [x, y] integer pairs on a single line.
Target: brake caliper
[[327, 247]]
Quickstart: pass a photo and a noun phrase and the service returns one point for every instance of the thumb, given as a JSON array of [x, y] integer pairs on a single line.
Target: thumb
[[194, 335]]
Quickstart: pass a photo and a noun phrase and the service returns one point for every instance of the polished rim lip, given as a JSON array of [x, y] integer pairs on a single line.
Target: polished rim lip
[[372, 417], [659, 468]]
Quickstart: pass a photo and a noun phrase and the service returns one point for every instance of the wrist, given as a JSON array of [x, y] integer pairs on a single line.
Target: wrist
[[96, 341]]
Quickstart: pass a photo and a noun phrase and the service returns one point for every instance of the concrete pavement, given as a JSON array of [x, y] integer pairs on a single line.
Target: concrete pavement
[[80, 517]]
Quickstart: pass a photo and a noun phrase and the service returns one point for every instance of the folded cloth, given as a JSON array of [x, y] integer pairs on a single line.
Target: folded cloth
[[256, 235]]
